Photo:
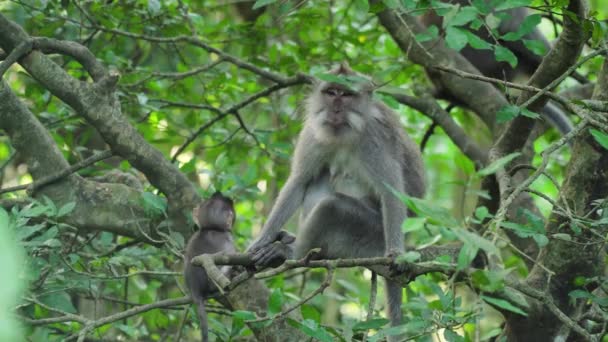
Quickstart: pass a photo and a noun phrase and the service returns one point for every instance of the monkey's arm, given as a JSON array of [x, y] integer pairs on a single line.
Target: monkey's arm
[[306, 164], [389, 173], [289, 200]]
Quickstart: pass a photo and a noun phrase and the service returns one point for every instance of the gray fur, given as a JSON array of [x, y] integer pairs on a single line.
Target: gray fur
[[215, 218], [349, 150]]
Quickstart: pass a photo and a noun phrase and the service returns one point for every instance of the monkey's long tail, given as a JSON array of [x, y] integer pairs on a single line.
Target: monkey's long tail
[[202, 316], [394, 297], [557, 118]]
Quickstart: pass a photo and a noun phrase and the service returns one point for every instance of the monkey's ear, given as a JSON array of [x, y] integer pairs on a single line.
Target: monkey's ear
[[344, 68]]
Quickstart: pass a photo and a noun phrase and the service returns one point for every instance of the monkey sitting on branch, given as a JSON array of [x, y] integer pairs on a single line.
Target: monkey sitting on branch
[[215, 219], [350, 153]]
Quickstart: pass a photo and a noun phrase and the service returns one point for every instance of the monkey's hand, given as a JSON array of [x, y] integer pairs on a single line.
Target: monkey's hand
[[263, 241], [274, 254]]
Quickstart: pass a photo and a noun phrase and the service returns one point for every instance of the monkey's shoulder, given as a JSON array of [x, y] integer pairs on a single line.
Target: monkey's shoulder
[[209, 242]]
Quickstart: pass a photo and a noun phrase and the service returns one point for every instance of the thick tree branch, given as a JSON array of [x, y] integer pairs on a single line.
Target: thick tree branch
[[429, 107], [555, 67], [99, 105], [484, 99], [115, 205]]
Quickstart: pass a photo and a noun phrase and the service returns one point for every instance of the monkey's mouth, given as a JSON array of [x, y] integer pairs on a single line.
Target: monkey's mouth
[[337, 127]]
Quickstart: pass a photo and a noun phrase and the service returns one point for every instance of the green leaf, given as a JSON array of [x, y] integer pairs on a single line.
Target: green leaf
[[392, 4], [562, 236], [44, 238], [464, 16], [275, 302], [530, 114], [428, 209], [312, 329], [527, 231], [409, 4], [153, 204], [432, 32], [496, 165], [262, 3], [410, 256], [310, 312], [361, 6], [598, 34], [578, 294], [375, 323], [475, 240], [489, 281], [127, 329], [59, 300], [489, 334], [476, 42], [25, 232], [600, 137], [243, 315], [508, 4], [352, 81], [503, 304], [154, 6], [507, 113], [66, 209], [412, 224], [492, 21], [451, 336], [481, 213], [483, 6], [466, 255], [505, 55], [456, 38], [536, 46], [527, 25]]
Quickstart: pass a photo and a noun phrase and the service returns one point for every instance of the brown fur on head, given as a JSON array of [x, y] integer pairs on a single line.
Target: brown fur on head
[[215, 213]]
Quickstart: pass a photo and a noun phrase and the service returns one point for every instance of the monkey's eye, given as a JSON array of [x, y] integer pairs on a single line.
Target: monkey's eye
[[331, 92], [347, 93]]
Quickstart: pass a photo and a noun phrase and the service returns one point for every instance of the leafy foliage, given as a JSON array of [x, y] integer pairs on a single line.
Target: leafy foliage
[[171, 90]]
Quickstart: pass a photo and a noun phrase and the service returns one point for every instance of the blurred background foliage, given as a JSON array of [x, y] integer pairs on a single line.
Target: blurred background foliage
[[165, 101]]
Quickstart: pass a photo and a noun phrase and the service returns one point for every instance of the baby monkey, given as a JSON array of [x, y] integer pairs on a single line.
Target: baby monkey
[[215, 218]]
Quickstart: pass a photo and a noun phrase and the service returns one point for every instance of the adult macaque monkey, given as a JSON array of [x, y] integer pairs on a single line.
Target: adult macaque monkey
[[214, 218], [350, 152], [486, 63]]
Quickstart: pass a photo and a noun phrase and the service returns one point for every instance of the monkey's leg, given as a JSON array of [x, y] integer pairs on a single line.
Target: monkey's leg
[[343, 227], [202, 316]]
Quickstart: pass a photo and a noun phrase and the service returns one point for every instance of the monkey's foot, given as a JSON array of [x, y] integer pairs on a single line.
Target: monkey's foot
[[398, 267]]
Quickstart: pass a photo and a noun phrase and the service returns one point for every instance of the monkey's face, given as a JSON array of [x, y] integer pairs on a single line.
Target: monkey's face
[[338, 111]]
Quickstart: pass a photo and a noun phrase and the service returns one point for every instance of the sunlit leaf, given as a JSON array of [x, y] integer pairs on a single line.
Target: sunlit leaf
[[262, 3], [498, 164], [456, 38], [600, 137], [375, 323], [503, 304], [508, 4], [505, 55]]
